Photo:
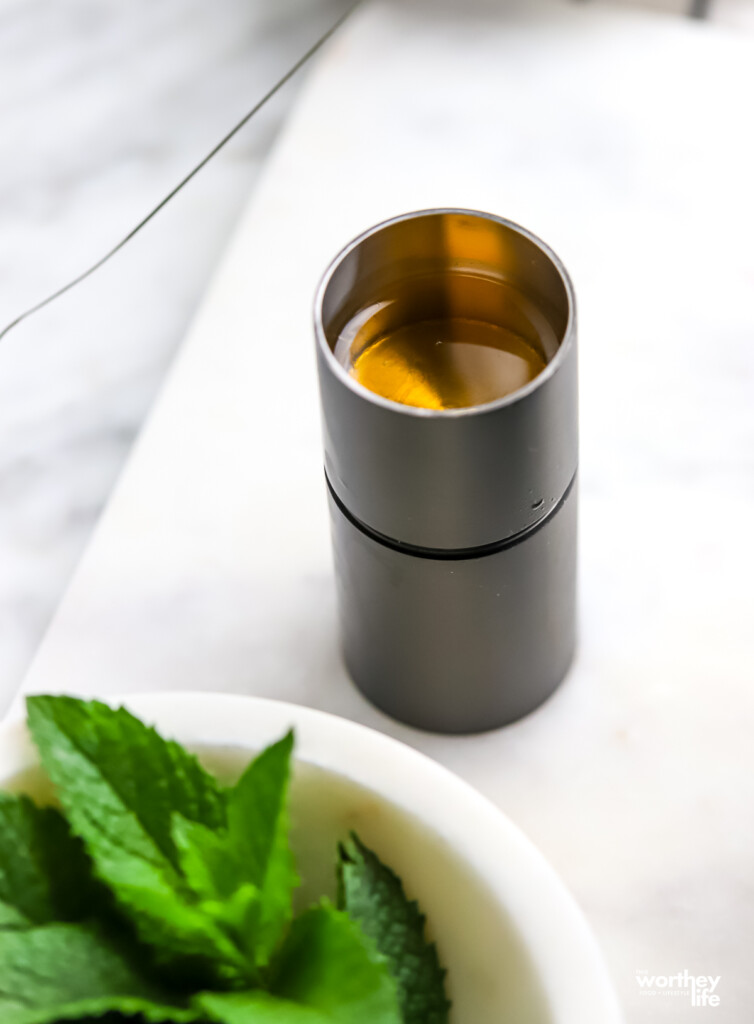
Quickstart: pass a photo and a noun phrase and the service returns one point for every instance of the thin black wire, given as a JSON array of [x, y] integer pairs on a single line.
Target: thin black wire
[[192, 173]]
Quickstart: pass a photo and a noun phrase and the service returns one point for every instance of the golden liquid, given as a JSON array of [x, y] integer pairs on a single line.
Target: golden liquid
[[447, 364], [488, 342]]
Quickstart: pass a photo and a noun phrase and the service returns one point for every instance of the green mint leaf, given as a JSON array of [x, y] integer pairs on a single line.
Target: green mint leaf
[[120, 785], [205, 859], [127, 766], [244, 876], [218, 880], [102, 1010], [72, 972], [329, 965], [45, 875], [256, 1007], [11, 917], [258, 827], [373, 896]]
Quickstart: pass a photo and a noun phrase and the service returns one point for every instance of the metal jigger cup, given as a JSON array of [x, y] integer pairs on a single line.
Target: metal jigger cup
[[454, 531]]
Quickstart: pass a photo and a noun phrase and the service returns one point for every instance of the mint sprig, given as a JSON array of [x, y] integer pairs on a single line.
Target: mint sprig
[[120, 784], [157, 895]]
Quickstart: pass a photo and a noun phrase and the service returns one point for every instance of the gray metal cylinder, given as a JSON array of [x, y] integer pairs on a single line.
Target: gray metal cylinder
[[454, 530]]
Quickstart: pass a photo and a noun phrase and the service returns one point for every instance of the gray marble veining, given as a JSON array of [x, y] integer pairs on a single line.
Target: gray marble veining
[[104, 105]]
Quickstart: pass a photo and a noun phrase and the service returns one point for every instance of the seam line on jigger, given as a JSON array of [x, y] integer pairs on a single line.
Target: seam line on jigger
[[453, 554]]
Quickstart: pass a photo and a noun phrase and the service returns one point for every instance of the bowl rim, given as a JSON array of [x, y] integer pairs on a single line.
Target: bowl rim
[[562, 948]]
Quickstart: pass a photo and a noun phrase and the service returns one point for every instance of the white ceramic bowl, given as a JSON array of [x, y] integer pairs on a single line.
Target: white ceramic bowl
[[516, 946]]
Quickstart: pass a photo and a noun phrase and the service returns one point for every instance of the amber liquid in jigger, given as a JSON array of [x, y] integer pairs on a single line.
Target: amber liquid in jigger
[[447, 342]]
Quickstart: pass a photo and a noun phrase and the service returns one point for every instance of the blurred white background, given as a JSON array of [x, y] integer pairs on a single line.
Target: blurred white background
[[104, 105]]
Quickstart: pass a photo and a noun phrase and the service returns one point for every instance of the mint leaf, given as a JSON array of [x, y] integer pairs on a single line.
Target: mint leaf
[[329, 965], [244, 876], [256, 1007], [72, 971], [205, 860], [217, 878], [120, 784], [102, 1010], [373, 896], [258, 826], [45, 875], [10, 917], [128, 766]]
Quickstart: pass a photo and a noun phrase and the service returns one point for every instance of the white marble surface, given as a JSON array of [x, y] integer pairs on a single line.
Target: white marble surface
[[104, 105], [619, 138]]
